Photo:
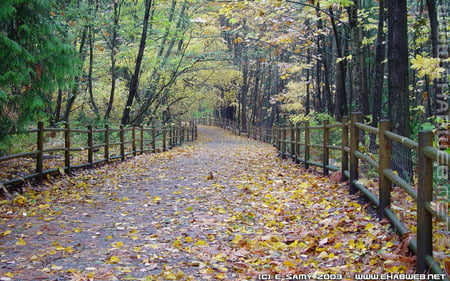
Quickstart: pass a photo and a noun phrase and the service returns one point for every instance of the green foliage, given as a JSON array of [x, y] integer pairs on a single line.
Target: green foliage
[[35, 60]]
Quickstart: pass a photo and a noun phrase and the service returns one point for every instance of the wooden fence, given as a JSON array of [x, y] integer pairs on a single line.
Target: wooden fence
[[99, 145], [298, 141]]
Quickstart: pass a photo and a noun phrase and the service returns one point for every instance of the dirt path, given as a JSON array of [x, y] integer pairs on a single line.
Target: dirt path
[[223, 207]]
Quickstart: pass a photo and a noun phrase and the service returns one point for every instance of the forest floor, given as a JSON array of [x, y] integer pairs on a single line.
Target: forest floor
[[223, 207]]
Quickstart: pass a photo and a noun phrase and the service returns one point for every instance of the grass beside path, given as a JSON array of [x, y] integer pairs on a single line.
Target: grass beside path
[[223, 207]]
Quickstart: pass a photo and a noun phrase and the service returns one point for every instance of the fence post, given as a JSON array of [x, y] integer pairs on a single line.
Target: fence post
[[67, 145], [276, 137], [182, 133], [326, 153], [133, 141], [90, 144], [40, 151], [307, 140], [153, 138], [424, 195], [196, 132], [142, 139], [354, 142], [170, 137], [283, 142], [122, 143], [297, 144], [293, 153], [344, 145], [106, 140], [164, 138], [384, 163]]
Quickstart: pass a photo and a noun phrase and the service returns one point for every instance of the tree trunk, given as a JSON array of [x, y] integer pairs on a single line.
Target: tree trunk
[[74, 91], [434, 26], [398, 67], [359, 66], [341, 108], [244, 92], [90, 71], [398, 92], [378, 79], [116, 8], [137, 69]]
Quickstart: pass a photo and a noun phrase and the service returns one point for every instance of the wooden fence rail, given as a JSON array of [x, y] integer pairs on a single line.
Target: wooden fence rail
[[297, 142], [116, 143]]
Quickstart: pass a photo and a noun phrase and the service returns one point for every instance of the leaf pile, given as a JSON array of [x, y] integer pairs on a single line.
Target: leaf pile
[[223, 207]]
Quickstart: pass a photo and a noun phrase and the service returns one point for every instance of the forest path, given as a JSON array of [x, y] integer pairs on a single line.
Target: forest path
[[223, 207]]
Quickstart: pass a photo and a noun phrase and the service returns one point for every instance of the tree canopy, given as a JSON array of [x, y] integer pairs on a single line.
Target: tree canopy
[[257, 62]]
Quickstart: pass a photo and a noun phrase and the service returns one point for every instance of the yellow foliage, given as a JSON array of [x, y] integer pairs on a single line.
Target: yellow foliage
[[427, 66]]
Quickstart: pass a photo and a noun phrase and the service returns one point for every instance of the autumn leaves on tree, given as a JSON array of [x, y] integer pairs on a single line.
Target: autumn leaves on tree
[[142, 61]]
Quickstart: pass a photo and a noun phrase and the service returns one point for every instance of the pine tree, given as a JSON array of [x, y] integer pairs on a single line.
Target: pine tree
[[35, 60]]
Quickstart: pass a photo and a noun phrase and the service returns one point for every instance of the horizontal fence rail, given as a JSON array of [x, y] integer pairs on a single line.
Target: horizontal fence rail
[[92, 146], [298, 142]]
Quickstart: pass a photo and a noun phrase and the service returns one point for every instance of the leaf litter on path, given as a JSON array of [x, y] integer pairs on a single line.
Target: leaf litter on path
[[223, 207]]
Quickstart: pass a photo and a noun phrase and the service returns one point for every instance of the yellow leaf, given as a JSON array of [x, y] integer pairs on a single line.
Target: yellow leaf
[[21, 242], [59, 248], [201, 243], [237, 239], [20, 200], [221, 276], [156, 199], [219, 257], [118, 244], [6, 232], [188, 239], [351, 244], [369, 226], [39, 233], [293, 244], [35, 258], [69, 249], [177, 243], [9, 274], [360, 245], [114, 260], [180, 274], [77, 229], [289, 264]]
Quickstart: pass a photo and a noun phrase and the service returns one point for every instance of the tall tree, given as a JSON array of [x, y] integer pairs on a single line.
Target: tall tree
[[112, 44], [398, 67], [31, 68], [137, 69]]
